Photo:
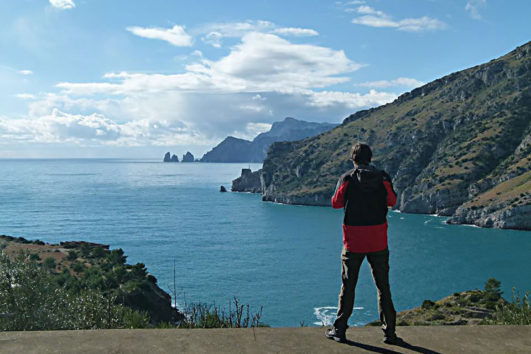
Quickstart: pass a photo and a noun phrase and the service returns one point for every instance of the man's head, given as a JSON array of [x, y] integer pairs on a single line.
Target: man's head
[[361, 154]]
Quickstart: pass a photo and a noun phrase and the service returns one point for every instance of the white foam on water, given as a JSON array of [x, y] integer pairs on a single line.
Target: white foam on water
[[326, 314], [470, 225]]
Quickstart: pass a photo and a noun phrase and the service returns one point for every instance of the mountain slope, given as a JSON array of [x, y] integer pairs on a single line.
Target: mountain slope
[[460, 145], [239, 150]]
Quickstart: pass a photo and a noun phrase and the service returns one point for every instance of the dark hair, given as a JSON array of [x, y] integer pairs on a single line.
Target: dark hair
[[361, 154]]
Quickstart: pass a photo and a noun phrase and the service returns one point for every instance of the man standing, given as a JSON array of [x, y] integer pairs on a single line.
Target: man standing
[[365, 193]]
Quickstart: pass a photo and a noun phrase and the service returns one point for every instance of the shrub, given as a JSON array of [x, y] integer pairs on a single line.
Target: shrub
[[32, 299], [428, 304], [517, 312], [49, 263], [72, 255], [35, 257], [208, 316]]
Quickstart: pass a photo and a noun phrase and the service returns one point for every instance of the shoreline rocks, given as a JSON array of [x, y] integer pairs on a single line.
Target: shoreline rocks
[[248, 182]]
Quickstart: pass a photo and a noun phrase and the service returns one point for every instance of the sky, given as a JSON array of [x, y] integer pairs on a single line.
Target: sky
[[132, 78]]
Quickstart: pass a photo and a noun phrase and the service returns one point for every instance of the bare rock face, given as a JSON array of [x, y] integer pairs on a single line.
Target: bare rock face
[[494, 216], [248, 182]]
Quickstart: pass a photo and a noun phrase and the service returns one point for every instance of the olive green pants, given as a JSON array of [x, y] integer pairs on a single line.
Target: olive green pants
[[350, 267]]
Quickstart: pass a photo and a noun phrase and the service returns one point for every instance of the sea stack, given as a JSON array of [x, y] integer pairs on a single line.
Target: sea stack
[[188, 157], [167, 157]]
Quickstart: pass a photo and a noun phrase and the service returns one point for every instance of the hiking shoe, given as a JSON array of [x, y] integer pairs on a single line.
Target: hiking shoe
[[392, 339], [336, 334]]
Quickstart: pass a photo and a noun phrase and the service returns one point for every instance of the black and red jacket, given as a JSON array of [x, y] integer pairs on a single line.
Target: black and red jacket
[[365, 193]]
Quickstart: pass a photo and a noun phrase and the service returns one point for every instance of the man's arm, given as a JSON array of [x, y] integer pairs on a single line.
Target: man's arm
[[391, 195], [338, 200]]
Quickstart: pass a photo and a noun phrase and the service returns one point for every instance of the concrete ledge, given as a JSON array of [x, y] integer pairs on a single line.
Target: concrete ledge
[[440, 339]]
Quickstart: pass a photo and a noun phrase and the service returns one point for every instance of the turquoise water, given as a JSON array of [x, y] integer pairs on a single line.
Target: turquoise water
[[284, 258]]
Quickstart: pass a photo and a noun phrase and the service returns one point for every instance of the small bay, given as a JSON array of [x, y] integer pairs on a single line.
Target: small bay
[[282, 257]]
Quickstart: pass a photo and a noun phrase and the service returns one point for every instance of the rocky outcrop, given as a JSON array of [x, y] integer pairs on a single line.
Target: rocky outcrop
[[473, 307], [248, 182], [459, 146], [188, 157], [172, 158], [239, 150]]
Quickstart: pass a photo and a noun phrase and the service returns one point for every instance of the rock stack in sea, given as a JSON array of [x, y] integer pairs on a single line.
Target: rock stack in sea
[[172, 158], [248, 182], [188, 157]]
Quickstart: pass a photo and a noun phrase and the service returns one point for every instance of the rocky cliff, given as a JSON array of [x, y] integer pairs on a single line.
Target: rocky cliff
[[248, 182], [240, 150], [459, 146]]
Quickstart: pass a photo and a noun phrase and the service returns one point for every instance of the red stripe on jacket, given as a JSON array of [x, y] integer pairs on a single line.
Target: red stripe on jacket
[[363, 239]]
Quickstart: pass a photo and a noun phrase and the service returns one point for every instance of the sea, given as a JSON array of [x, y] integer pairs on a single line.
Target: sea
[[283, 258]]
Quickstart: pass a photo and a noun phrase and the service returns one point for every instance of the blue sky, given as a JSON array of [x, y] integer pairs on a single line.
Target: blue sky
[[101, 78]]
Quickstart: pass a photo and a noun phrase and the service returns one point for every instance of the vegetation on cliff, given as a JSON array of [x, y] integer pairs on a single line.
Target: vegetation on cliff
[[459, 146], [76, 285], [473, 307]]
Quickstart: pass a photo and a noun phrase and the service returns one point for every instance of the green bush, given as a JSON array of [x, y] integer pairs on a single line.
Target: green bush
[[517, 312], [49, 263], [72, 255], [31, 298]]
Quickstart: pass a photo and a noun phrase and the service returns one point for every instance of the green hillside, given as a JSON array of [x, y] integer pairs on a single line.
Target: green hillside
[[459, 146]]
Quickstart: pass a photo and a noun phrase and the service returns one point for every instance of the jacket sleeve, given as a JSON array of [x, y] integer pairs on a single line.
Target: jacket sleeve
[[338, 200], [388, 184]]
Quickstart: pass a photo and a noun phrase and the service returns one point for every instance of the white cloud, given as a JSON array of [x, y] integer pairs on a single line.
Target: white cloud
[[25, 72], [473, 6], [213, 38], [236, 29], [25, 96], [376, 18], [294, 31], [367, 10], [63, 4], [214, 33], [251, 130], [261, 62], [323, 99], [350, 3], [95, 129], [401, 81], [176, 35]]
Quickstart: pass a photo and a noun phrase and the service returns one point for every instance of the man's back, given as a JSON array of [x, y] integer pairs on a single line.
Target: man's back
[[365, 192]]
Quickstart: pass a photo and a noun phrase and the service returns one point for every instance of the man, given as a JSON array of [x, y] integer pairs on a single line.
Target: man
[[365, 193]]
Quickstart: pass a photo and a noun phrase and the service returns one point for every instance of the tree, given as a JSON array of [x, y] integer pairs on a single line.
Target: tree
[[492, 289]]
